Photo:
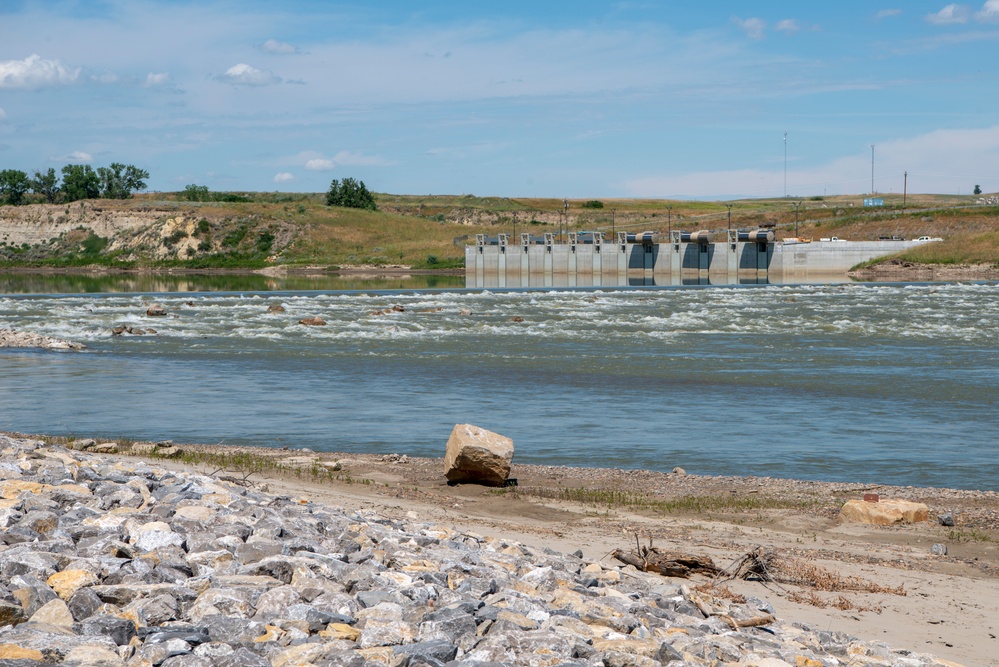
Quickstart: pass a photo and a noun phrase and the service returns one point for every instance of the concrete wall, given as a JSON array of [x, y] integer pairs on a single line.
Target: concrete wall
[[681, 263]]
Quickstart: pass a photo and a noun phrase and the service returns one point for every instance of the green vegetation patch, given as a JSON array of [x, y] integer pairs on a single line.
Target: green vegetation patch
[[611, 498]]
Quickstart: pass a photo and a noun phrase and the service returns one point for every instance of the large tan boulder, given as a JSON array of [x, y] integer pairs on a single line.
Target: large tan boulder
[[477, 455], [884, 512]]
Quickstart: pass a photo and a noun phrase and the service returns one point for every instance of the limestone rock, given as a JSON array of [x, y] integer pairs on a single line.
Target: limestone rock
[[54, 612], [477, 455], [156, 310], [92, 656], [884, 512], [313, 321], [68, 582]]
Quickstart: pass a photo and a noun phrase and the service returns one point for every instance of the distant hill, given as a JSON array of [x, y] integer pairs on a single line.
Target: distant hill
[[160, 230]]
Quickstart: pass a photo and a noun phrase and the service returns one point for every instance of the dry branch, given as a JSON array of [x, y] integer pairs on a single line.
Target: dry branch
[[666, 563]]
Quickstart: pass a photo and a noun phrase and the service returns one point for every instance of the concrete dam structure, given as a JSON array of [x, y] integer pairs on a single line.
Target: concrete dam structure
[[647, 258]]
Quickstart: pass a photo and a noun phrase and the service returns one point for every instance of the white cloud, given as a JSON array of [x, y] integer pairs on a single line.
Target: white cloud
[[753, 27], [989, 12], [949, 15], [247, 75], [75, 156], [283, 177], [276, 47], [349, 159], [320, 164], [939, 161], [888, 13], [33, 72], [788, 25], [154, 79]]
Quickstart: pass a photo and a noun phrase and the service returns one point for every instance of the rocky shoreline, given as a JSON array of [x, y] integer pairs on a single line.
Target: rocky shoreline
[[113, 561], [897, 270]]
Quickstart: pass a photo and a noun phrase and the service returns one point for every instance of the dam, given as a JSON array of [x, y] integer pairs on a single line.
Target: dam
[[591, 259]]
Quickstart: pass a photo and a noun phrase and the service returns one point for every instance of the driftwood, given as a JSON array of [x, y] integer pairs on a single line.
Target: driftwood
[[735, 623], [666, 563]]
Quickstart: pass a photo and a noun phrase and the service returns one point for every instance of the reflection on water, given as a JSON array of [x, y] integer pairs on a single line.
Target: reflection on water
[[49, 283], [643, 279]]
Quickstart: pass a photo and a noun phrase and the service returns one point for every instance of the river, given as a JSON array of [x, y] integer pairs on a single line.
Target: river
[[892, 384]]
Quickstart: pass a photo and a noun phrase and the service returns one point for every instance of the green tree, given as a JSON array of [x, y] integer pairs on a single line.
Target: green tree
[[13, 184], [79, 181], [196, 193], [978, 189], [119, 180], [350, 194], [46, 184]]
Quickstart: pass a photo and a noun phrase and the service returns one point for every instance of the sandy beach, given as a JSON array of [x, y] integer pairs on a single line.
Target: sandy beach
[[944, 605]]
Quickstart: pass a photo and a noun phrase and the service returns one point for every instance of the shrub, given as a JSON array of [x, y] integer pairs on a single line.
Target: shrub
[[593, 203], [264, 242]]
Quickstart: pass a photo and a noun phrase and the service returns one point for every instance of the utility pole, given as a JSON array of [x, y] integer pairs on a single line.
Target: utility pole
[[905, 187], [565, 204], [669, 221], [729, 216], [785, 165], [872, 169], [796, 205]]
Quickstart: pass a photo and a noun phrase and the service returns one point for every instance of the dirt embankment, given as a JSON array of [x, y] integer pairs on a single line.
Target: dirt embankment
[[133, 230]]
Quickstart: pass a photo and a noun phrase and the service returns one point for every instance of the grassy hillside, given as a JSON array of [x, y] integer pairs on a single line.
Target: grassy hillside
[[429, 232]]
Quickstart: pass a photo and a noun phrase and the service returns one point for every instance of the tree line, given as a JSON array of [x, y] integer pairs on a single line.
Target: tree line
[[79, 181]]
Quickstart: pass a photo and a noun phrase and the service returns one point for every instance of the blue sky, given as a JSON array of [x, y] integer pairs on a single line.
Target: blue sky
[[548, 99]]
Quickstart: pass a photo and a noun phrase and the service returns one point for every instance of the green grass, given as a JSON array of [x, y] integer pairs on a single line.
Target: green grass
[[970, 535], [611, 498], [245, 464]]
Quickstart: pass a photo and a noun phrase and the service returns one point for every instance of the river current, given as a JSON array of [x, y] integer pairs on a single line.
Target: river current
[[892, 384]]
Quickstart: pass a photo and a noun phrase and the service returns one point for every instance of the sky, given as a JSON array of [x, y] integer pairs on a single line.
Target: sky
[[582, 99]]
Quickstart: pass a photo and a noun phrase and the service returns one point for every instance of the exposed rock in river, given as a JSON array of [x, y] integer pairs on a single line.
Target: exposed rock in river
[[11, 338]]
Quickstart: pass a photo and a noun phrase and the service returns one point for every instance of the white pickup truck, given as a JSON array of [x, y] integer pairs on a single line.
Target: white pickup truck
[[832, 239], [925, 239]]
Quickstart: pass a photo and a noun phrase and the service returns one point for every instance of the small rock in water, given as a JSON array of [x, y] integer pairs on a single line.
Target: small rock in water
[[156, 310]]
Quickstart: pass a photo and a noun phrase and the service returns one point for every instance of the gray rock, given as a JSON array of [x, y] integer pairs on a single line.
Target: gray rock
[[440, 651], [251, 552], [243, 657], [946, 519], [31, 592], [83, 604], [186, 660], [939, 550], [118, 629]]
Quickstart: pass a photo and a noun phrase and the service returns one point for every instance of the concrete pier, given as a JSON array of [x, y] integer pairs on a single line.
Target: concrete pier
[[729, 257]]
